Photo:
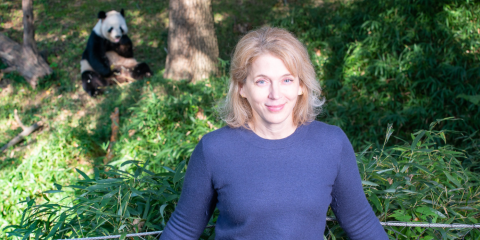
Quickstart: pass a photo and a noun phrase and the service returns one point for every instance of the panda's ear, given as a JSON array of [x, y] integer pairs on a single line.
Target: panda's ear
[[102, 15], [122, 12]]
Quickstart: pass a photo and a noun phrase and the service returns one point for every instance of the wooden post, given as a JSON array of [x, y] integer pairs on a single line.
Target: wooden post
[[114, 137]]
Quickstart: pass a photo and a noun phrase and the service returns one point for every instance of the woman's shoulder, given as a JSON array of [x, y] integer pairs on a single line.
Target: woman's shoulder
[[222, 138], [221, 133], [325, 130]]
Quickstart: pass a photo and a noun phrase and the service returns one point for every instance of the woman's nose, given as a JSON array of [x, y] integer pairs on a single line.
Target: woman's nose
[[274, 91]]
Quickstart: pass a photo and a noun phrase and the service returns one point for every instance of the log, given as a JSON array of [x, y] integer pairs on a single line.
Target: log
[[114, 137], [23, 134], [25, 58]]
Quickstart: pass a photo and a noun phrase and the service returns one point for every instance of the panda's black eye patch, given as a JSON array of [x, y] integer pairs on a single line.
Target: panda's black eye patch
[[110, 29], [121, 29]]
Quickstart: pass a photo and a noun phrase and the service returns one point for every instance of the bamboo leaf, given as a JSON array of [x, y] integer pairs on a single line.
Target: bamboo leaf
[[417, 138], [178, 172], [54, 230], [369, 183], [83, 174]]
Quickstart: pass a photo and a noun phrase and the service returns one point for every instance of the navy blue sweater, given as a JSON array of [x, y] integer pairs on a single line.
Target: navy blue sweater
[[273, 189]]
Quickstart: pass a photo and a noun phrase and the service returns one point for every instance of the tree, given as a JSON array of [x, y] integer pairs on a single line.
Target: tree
[[192, 43], [24, 58]]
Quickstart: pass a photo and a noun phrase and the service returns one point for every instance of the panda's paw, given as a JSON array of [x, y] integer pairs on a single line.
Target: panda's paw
[[93, 83], [141, 70]]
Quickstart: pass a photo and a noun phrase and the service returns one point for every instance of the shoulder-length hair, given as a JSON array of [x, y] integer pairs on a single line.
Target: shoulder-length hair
[[235, 110]]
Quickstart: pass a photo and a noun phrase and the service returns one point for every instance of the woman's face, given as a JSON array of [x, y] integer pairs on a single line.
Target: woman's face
[[272, 92]]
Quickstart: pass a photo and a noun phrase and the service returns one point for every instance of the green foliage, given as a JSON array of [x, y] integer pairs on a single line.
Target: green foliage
[[422, 180], [402, 62], [111, 202]]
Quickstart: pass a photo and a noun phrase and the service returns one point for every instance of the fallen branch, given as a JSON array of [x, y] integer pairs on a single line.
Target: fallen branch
[[15, 114], [26, 131], [113, 138], [9, 69]]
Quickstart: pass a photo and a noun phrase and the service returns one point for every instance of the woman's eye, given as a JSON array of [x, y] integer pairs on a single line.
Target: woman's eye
[[261, 82], [288, 80]]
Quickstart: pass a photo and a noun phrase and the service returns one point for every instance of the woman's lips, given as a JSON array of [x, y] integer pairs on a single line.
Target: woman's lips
[[275, 108]]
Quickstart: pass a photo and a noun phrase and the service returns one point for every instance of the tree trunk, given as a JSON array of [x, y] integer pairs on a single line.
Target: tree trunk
[[25, 58], [192, 43]]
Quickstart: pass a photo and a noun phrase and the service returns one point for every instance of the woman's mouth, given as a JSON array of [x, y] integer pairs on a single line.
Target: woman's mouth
[[275, 108]]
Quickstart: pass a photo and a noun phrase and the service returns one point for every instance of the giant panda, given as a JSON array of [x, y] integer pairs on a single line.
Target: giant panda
[[109, 55]]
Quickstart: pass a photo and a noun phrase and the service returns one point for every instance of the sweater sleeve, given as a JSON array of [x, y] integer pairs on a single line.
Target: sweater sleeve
[[349, 203], [197, 201]]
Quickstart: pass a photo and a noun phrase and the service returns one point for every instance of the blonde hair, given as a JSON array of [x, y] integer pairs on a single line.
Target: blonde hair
[[235, 110]]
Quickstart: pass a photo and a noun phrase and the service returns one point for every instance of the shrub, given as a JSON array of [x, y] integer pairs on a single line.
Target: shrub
[[111, 202], [402, 62], [422, 180]]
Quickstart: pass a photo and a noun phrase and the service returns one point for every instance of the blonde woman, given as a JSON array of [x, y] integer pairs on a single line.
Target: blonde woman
[[273, 171]]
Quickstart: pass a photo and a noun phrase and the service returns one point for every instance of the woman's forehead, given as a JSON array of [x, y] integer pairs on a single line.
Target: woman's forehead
[[265, 62]]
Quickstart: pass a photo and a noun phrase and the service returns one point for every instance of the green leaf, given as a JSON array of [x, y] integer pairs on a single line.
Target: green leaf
[[57, 226], [53, 191], [162, 212], [100, 186], [83, 174], [178, 172], [417, 138], [59, 187], [475, 99], [147, 208], [111, 180], [453, 180], [369, 183], [400, 215], [376, 202], [123, 236], [96, 173]]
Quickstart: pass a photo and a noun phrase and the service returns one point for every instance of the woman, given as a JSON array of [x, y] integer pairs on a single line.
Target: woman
[[273, 171]]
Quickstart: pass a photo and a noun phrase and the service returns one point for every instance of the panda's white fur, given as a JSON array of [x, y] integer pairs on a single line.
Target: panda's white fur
[[85, 66], [114, 21], [116, 61]]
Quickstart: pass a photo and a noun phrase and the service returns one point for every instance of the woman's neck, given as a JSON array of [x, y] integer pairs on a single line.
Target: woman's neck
[[277, 131]]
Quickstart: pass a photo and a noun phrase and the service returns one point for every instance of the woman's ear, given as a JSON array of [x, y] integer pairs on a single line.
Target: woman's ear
[[300, 89], [242, 93]]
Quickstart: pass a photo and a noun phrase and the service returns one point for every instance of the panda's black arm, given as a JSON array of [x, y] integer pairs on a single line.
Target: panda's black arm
[[98, 60]]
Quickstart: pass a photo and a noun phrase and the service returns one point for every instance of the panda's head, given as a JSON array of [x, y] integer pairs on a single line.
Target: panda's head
[[111, 25]]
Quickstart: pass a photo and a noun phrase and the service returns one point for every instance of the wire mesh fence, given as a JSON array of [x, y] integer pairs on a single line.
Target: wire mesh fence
[[395, 230], [413, 230]]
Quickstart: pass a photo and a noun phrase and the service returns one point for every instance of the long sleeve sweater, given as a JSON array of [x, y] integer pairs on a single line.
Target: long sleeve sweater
[[273, 189]]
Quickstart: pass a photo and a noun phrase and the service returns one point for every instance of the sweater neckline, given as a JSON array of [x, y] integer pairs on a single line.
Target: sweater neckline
[[295, 138]]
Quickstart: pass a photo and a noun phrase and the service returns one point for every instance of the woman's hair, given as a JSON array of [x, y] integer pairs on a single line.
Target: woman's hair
[[235, 110]]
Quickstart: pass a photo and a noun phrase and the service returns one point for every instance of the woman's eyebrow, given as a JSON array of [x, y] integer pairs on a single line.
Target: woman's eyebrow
[[265, 76]]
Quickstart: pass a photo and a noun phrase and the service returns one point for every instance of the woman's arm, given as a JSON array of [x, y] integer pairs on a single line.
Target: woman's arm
[[197, 201], [349, 203]]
